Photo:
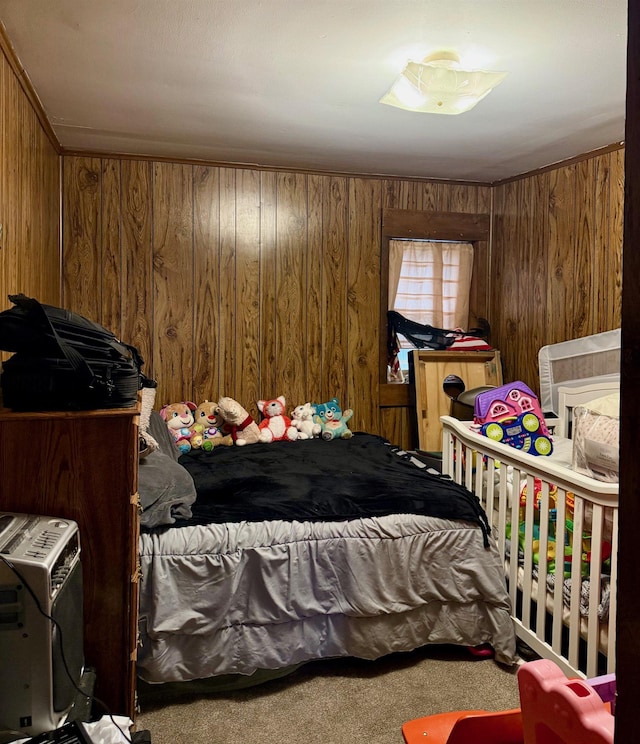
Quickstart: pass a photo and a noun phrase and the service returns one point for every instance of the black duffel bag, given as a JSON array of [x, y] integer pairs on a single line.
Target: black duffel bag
[[63, 361]]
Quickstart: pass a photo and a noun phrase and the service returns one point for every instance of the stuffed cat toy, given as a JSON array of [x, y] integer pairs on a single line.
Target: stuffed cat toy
[[276, 425], [302, 419], [238, 422], [332, 420]]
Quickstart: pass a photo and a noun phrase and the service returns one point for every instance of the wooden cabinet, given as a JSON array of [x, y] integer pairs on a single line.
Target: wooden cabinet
[[84, 466], [429, 369]]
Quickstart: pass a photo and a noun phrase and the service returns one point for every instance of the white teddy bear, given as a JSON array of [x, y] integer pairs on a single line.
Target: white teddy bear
[[302, 419]]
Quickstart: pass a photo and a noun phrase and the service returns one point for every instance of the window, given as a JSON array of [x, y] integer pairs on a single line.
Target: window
[[458, 244], [429, 282]]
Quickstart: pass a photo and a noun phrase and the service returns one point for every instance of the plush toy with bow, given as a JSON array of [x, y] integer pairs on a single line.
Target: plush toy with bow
[[302, 419], [238, 422], [333, 420], [209, 422], [179, 420], [276, 425]]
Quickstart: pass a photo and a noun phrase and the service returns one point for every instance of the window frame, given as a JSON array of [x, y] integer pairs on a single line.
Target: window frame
[[430, 225]]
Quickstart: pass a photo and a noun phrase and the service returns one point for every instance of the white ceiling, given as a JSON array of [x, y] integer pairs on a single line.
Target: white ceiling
[[294, 83]]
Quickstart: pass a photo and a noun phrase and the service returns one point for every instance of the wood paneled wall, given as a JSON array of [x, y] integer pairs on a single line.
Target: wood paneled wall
[[241, 282], [556, 259], [257, 283], [29, 197]]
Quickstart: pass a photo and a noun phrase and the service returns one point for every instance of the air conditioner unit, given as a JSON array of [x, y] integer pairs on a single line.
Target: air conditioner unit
[[41, 631]]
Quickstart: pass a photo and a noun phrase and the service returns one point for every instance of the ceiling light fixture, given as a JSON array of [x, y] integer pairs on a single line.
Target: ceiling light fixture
[[438, 85]]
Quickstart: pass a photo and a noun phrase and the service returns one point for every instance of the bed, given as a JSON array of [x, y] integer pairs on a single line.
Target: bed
[[574, 627], [282, 553]]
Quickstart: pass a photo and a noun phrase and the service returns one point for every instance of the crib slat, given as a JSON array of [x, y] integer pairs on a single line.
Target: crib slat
[[595, 572], [576, 581], [544, 549], [558, 600], [613, 583]]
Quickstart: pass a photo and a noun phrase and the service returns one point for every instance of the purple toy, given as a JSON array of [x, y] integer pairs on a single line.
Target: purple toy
[[511, 414]]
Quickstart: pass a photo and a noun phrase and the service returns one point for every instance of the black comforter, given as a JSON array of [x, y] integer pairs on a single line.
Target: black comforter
[[318, 480]]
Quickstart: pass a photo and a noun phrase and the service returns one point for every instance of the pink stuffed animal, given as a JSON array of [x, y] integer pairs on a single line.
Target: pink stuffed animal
[[179, 420], [276, 425]]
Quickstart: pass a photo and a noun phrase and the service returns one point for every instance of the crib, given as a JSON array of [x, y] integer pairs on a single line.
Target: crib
[[565, 536]]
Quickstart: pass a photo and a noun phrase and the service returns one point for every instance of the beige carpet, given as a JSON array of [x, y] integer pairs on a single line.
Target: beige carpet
[[341, 701]]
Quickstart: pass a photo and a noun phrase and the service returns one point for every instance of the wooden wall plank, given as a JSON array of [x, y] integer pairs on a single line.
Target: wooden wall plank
[[110, 291], [291, 288], [363, 297], [30, 251], [430, 198], [247, 312], [268, 288], [11, 243], [82, 247], [4, 177], [505, 297], [602, 236], [30, 247], [523, 353], [206, 272], [314, 361], [50, 207], [227, 307], [613, 253], [534, 285], [334, 299], [136, 200], [584, 254], [463, 198], [173, 280], [560, 286], [396, 425], [483, 195]]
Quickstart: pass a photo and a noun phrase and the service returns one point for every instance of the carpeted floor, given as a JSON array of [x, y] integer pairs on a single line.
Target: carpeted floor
[[331, 702]]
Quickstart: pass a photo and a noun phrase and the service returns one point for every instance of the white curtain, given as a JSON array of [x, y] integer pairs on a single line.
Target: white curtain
[[429, 282]]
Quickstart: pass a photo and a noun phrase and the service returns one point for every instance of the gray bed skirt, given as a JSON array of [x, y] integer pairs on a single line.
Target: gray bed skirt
[[244, 598]]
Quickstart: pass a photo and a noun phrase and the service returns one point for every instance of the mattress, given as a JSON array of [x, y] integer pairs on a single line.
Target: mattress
[[294, 551]]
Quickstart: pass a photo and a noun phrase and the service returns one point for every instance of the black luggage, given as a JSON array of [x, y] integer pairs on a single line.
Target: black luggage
[[63, 361]]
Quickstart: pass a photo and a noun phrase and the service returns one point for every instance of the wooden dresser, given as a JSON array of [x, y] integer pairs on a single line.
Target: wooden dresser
[[84, 466]]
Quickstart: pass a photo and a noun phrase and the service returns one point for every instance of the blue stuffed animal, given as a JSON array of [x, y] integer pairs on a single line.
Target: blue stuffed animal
[[333, 420]]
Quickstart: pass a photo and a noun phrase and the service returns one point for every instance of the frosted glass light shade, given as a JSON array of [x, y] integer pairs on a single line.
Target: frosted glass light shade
[[440, 86]]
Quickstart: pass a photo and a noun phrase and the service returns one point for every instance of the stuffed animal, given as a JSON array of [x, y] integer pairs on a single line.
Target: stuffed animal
[[207, 415], [302, 419], [238, 422], [333, 420], [179, 420], [276, 425]]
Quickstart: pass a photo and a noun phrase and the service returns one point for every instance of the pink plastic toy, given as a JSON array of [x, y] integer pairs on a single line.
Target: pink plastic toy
[[557, 710]]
